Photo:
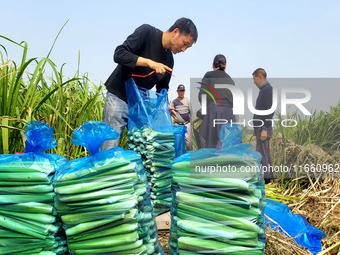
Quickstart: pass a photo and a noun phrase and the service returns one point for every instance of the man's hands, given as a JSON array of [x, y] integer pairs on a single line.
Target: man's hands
[[264, 135], [173, 112], [158, 67]]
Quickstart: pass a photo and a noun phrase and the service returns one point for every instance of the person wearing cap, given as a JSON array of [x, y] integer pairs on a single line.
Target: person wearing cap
[[183, 110], [147, 56]]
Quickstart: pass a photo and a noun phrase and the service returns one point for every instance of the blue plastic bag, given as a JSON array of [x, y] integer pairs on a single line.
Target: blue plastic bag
[[179, 131], [39, 137], [218, 199], [26, 189], [107, 190], [230, 135], [151, 134], [295, 225], [92, 134], [148, 108]]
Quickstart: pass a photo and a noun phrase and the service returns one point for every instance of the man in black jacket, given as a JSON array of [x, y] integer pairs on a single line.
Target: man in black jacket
[[146, 55], [263, 123]]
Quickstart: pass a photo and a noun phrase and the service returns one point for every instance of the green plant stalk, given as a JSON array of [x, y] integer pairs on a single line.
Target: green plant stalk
[[13, 199], [209, 228], [220, 218], [329, 249], [5, 136], [19, 226], [105, 242], [123, 229], [217, 206], [26, 189], [91, 225], [28, 207], [199, 245], [96, 195], [38, 217], [128, 248]]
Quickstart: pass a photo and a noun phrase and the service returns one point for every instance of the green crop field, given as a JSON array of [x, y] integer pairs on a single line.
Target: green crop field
[[28, 93]]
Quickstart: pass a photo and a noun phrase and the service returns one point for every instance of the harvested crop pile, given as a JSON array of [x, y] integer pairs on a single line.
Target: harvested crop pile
[[157, 150], [28, 222], [218, 212], [151, 134], [104, 200]]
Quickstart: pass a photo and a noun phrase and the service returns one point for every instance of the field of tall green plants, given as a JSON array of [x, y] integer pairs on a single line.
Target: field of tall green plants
[[28, 93], [321, 128], [314, 140]]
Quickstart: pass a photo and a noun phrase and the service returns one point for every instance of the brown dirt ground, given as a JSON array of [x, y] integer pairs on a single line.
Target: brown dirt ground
[[163, 238]]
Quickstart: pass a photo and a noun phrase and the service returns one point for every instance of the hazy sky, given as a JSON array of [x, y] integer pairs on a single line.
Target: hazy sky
[[289, 39]]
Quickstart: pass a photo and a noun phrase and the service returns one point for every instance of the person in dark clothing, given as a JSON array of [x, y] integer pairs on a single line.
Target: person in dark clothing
[[263, 125], [208, 135], [146, 54]]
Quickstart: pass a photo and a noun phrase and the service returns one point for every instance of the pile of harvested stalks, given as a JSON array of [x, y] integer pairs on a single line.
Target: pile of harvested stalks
[[314, 196], [320, 204]]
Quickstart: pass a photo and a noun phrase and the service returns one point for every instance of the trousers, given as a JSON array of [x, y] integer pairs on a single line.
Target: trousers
[[264, 149], [115, 114]]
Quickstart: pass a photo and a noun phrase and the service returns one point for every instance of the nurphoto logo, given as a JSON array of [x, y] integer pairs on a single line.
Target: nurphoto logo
[[239, 104]]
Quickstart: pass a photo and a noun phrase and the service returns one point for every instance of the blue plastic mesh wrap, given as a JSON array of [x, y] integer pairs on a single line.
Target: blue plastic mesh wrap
[[104, 199], [218, 199], [151, 134], [28, 221]]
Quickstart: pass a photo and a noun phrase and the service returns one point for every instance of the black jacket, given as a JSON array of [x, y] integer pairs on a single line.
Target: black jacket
[[217, 77], [146, 41], [264, 102]]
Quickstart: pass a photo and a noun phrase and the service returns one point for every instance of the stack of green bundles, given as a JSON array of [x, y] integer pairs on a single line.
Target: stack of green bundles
[[104, 202], [28, 221], [151, 134], [218, 202], [158, 152]]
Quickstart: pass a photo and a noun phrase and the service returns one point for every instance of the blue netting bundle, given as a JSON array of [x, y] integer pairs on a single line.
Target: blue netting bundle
[[27, 216], [151, 134], [218, 200], [104, 199]]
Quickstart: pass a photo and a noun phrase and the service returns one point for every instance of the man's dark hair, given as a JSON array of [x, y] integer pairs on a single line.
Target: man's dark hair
[[186, 27], [260, 71]]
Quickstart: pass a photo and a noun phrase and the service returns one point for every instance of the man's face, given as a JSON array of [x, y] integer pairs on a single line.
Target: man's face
[[257, 80], [180, 93], [180, 42]]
